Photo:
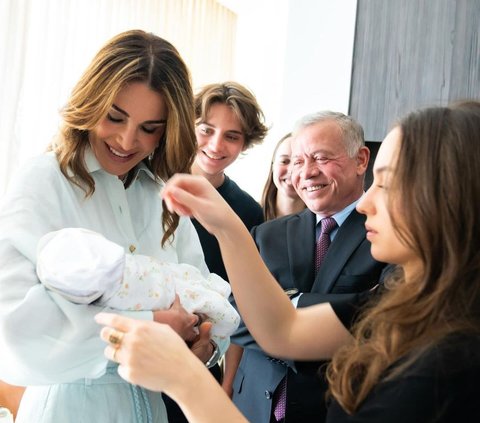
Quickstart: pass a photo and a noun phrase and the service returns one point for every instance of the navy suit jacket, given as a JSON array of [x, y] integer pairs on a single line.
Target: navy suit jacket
[[287, 247]]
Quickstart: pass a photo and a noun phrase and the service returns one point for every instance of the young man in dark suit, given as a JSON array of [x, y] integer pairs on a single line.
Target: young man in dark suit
[[329, 161]]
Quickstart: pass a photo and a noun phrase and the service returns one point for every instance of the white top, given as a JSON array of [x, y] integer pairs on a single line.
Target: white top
[[45, 338], [84, 267]]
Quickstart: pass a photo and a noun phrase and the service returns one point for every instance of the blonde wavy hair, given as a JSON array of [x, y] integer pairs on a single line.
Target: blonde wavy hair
[[131, 56], [437, 186]]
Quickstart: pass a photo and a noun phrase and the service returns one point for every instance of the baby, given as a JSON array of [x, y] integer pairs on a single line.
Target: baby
[[84, 267]]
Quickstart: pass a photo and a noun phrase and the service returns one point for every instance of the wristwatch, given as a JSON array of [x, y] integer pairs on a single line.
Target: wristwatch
[[215, 355], [292, 292]]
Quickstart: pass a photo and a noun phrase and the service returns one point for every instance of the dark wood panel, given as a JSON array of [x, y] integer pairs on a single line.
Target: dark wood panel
[[410, 54], [373, 147], [465, 75]]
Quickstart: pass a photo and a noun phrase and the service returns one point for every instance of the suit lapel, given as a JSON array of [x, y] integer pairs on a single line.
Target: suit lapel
[[300, 244], [349, 236]]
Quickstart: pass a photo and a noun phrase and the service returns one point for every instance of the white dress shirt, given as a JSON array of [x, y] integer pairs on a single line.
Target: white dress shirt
[[44, 338]]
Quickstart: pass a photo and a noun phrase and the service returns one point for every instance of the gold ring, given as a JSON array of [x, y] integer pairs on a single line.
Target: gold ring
[[114, 356], [115, 338]]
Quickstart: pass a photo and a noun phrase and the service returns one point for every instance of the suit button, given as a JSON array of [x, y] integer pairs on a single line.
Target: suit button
[[268, 394]]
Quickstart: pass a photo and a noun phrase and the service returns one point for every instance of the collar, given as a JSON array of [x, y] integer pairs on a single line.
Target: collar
[[91, 161], [93, 165], [342, 215]]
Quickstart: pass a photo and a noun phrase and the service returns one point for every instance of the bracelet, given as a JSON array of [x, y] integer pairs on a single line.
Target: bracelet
[[292, 292], [215, 355]]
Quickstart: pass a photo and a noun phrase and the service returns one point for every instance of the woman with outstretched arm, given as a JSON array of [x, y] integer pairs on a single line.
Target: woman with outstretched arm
[[414, 352]]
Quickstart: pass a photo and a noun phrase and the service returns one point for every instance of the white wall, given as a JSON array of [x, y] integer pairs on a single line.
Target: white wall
[[45, 45], [296, 56]]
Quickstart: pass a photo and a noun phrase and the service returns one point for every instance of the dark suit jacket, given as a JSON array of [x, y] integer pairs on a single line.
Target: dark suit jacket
[[287, 247]]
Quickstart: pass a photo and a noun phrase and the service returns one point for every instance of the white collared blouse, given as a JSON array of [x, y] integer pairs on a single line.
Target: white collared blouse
[[45, 339]]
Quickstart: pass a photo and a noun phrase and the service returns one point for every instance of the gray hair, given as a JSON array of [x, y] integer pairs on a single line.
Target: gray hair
[[352, 131]]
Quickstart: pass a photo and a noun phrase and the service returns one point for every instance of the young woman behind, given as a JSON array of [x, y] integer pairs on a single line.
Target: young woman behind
[[415, 352], [279, 198]]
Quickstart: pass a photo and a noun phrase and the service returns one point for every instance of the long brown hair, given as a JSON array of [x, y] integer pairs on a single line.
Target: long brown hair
[[132, 56], [243, 103], [270, 190], [436, 184]]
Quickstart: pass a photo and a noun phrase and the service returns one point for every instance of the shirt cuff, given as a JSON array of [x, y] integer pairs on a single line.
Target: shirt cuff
[[295, 299]]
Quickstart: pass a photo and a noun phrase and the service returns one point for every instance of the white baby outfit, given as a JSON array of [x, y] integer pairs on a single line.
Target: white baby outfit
[[86, 268]]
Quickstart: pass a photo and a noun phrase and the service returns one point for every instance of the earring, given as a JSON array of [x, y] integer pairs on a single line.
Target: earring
[[150, 156]]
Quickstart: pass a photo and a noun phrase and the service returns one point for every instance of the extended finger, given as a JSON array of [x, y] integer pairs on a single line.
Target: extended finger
[[112, 336], [112, 353], [185, 181], [115, 321], [204, 330], [180, 200], [182, 197], [175, 206]]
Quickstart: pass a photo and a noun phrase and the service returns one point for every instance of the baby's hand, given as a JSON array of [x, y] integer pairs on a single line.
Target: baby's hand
[[201, 345], [181, 321]]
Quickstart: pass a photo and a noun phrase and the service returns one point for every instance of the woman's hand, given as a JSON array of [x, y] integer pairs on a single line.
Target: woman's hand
[[191, 195], [149, 354], [179, 319], [152, 355]]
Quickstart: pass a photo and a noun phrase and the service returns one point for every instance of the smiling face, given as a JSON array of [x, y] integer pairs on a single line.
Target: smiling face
[[220, 140], [386, 243], [281, 174], [323, 174], [131, 130]]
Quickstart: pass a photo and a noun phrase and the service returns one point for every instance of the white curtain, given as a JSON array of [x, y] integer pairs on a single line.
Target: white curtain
[[46, 44]]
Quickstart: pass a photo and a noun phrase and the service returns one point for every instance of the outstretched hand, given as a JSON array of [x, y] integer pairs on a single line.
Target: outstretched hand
[[194, 196], [154, 356], [149, 354]]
